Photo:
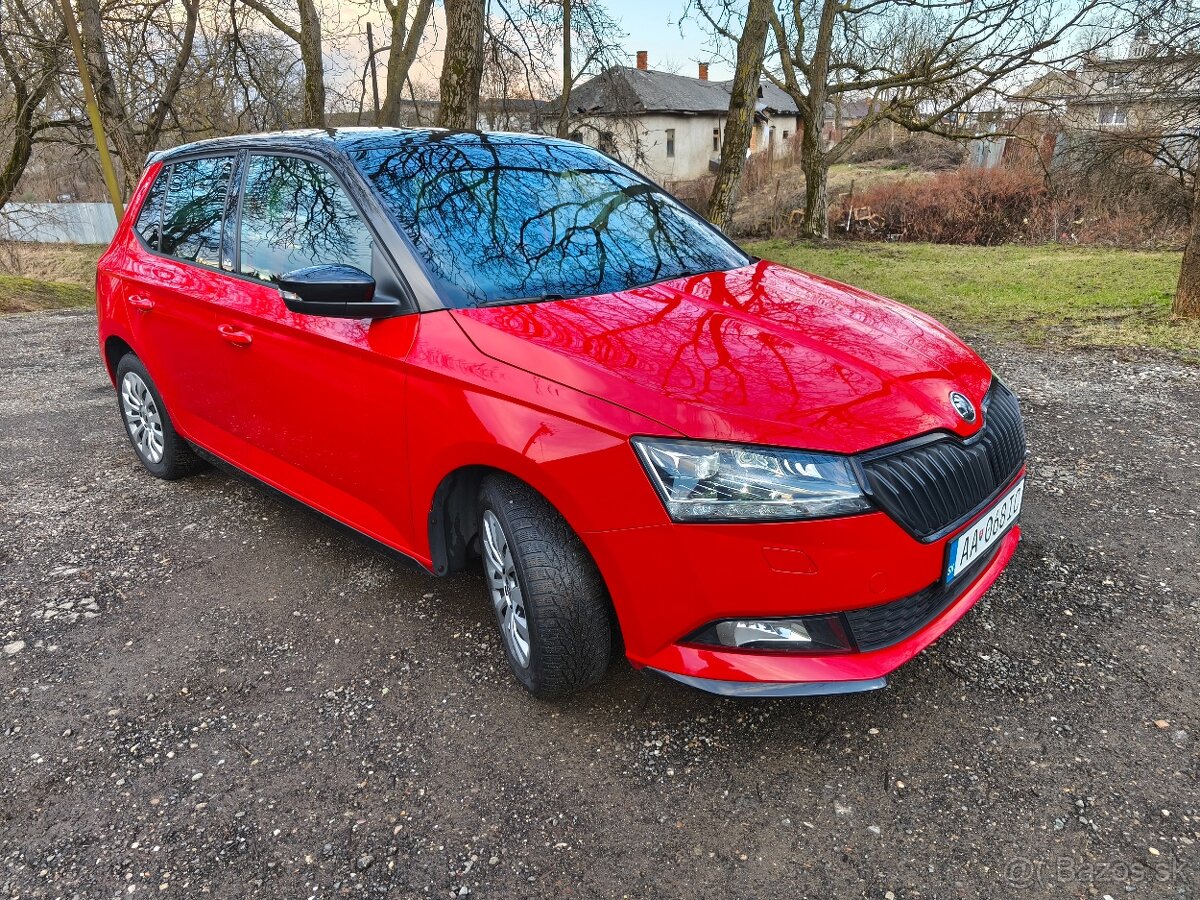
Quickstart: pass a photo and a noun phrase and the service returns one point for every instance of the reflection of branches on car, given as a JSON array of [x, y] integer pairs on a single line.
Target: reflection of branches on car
[[323, 226], [192, 228], [535, 217]]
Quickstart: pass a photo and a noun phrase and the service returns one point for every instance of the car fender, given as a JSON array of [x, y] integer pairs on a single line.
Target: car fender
[[468, 411]]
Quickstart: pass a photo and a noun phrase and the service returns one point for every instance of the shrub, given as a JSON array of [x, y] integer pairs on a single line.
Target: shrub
[[966, 206], [926, 152], [1016, 205]]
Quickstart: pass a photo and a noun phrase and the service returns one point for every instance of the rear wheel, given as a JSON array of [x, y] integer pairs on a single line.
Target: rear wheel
[[159, 447], [550, 602]]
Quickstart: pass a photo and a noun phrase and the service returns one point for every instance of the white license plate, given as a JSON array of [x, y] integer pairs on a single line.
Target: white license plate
[[974, 542]]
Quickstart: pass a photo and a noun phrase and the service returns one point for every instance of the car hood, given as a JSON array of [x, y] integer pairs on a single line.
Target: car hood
[[762, 354]]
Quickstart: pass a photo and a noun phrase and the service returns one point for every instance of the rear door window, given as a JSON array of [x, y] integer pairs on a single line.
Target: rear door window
[[149, 220], [195, 208], [295, 214]]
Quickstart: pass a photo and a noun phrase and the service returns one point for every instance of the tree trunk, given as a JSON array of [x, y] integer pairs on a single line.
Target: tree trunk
[[1187, 294], [22, 138], [816, 193], [112, 107], [813, 160], [739, 124], [406, 41], [462, 66], [564, 109], [314, 65]]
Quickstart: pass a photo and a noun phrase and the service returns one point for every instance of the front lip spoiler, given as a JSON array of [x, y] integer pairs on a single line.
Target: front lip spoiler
[[775, 688]]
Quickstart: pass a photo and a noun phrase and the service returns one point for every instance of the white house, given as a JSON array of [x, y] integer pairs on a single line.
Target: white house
[[670, 126]]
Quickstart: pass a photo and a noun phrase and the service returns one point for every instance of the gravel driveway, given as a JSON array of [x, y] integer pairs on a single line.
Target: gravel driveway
[[206, 691]]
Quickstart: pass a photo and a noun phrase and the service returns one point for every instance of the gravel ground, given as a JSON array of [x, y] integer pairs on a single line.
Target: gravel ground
[[208, 692]]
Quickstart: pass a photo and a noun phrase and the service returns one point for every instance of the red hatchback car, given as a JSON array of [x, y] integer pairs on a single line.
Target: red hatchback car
[[515, 350]]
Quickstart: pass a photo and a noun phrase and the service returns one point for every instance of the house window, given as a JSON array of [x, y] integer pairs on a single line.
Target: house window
[[608, 143], [785, 134], [577, 137], [670, 142], [1113, 115], [716, 139]]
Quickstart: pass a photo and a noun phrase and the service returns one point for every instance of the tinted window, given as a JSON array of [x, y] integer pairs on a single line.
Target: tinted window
[[149, 220], [505, 218], [294, 215], [194, 208]]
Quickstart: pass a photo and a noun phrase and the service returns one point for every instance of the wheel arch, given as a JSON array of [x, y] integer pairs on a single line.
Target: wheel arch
[[115, 347], [452, 513], [453, 527], [451, 517]]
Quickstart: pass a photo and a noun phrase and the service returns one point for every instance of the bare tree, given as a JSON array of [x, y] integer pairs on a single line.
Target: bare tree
[[539, 48], [1187, 293], [743, 97], [407, 33], [564, 109], [307, 36], [919, 63], [1127, 124], [30, 42], [246, 79], [155, 49], [462, 65]]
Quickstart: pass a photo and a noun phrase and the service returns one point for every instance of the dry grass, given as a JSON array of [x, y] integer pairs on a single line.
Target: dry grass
[[62, 263], [777, 207], [46, 276]]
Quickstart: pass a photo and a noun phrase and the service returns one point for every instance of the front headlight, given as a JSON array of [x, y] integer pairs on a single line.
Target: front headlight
[[700, 481]]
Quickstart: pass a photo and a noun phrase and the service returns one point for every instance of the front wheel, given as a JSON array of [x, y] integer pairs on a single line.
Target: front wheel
[[550, 602]]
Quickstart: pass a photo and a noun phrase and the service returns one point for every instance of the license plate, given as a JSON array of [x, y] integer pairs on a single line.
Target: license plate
[[974, 542]]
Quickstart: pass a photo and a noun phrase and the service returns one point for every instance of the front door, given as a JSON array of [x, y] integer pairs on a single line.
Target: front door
[[316, 403]]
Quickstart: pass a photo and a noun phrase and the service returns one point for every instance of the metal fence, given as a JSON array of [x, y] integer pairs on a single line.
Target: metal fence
[[62, 223]]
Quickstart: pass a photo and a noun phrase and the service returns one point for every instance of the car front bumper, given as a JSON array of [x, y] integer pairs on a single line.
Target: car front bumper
[[688, 576]]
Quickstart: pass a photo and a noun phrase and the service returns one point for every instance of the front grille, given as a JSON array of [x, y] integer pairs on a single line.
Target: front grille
[[933, 486], [881, 626]]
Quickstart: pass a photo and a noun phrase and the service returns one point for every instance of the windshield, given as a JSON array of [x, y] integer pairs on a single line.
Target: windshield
[[501, 218]]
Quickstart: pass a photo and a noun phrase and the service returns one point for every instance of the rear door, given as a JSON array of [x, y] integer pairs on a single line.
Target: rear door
[[171, 291], [316, 404]]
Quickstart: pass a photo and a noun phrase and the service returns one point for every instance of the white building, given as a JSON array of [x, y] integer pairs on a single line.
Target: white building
[[670, 126]]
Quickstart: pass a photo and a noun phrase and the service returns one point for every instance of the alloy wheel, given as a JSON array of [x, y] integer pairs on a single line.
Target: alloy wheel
[[501, 572], [142, 417]]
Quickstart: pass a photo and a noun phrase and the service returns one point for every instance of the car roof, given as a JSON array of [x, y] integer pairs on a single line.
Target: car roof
[[326, 139]]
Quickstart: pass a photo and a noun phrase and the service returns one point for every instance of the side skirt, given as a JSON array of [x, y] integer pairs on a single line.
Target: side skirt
[[390, 553]]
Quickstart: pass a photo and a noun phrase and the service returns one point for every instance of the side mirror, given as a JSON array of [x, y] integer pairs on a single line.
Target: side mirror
[[337, 291]]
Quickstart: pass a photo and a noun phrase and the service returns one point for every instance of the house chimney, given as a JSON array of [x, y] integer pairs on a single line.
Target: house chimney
[[643, 60], [704, 71]]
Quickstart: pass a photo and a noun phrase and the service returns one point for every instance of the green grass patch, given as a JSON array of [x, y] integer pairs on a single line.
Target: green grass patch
[[1079, 296], [28, 295]]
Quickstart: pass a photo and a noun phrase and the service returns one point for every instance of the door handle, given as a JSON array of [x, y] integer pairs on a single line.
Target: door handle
[[234, 336], [142, 303]]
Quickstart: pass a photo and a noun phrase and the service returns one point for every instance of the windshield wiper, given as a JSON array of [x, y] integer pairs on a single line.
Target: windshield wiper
[[517, 301]]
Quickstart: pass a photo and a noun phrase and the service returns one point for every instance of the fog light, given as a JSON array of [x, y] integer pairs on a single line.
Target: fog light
[[812, 634], [757, 633]]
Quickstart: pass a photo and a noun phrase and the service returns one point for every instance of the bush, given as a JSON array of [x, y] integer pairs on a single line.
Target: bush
[[925, 152], [1014, 205], [961, 207]]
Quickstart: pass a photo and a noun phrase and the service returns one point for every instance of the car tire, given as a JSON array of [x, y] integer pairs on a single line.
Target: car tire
[[158, 446], [550, 590]]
